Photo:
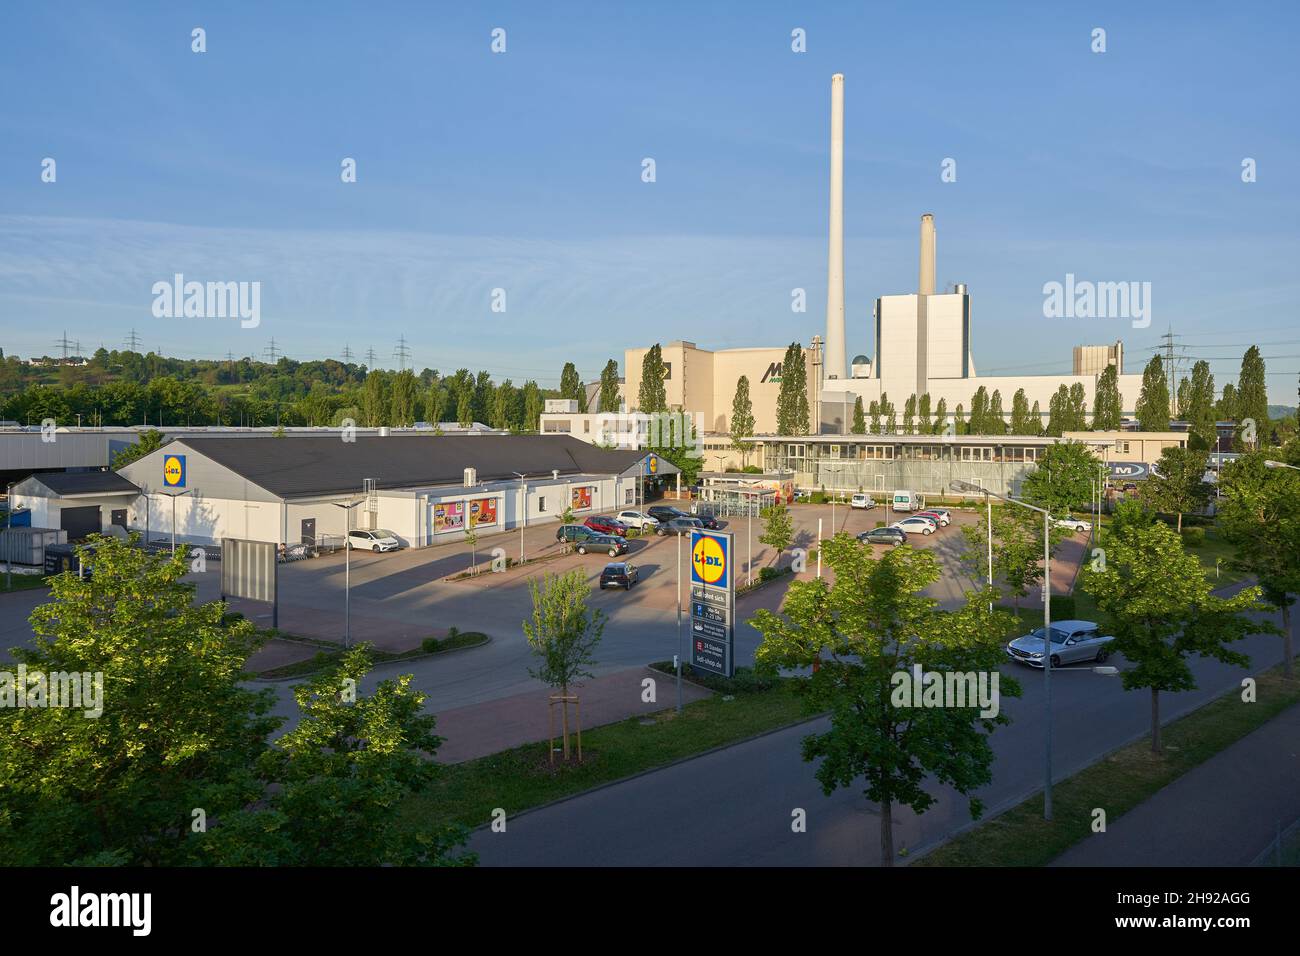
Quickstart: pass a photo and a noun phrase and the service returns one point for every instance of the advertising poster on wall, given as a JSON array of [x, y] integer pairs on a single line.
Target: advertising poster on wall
[[582, 498], [448, 516], [482, 511]]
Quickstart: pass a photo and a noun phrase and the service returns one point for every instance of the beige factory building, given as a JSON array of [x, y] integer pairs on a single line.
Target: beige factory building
[[703, 382]]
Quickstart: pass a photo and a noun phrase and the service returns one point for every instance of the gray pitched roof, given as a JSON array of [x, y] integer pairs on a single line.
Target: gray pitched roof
[[328, 465], [84, 482]]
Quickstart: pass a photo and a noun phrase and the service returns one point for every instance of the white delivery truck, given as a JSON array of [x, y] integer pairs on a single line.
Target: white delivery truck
[[908, 501]]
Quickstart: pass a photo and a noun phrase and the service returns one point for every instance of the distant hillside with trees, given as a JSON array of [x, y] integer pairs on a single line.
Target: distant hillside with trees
[[130, 388]]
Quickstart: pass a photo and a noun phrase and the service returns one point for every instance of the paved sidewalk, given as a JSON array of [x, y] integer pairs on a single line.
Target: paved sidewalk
[[495, 725], [1222, 813]]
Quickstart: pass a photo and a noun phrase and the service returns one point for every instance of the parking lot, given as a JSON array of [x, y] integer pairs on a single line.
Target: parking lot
[[400, 598]]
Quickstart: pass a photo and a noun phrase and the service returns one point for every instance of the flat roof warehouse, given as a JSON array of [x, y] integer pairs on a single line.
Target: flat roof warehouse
[[424, 488]]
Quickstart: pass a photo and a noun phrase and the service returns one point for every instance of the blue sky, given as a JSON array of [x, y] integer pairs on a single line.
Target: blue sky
[[522, 171]]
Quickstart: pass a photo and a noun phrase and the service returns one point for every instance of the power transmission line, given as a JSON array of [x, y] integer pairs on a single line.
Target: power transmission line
[[64, 344], [370, 358], [402, 353], [347, 353], [273, 352], [133, 342]]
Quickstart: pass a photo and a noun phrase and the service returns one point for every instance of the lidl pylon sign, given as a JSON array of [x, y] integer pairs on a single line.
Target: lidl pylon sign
[[713, 602], [174, 471]]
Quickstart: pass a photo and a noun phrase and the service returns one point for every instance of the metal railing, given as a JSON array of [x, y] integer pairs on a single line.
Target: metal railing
[[1283, 849]]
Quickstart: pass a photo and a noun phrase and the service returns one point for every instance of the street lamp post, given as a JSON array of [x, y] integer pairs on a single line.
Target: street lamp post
[[966, 486], [347, 570], [1280, 464], [679, 621], [173, 497]]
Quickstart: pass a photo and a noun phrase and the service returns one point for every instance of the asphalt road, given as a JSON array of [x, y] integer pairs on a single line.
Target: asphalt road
[[733, 807]]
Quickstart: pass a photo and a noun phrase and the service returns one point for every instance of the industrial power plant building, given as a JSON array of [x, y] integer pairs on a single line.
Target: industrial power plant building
[[925, 342]]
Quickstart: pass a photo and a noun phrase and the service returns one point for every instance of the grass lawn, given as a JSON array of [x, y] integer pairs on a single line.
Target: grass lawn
[[22, 582], [1214, 548], [1020, 837], [517, 779]]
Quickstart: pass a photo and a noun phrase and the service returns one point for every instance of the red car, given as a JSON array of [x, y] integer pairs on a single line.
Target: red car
[[604, 524]]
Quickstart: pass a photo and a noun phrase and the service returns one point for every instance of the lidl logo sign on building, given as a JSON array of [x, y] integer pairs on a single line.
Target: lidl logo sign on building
[[174, 471]]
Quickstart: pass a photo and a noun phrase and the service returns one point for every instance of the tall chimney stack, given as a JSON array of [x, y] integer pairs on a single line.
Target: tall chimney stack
[[835, 358], [926, 285]]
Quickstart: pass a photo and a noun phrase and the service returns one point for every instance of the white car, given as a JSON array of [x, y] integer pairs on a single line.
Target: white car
[[861, 501], [378, 540], [638, 519], [916, 524], [1077, 525]]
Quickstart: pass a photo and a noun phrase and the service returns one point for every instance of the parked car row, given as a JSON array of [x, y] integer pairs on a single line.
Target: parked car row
[[922, 522]]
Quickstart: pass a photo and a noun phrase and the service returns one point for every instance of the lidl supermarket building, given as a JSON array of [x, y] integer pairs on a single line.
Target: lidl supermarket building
[[426, 489]]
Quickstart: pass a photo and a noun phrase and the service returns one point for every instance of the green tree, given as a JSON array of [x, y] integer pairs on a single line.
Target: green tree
[[874, 409], [1260, 517], [1108, 404], [1153, 401], [1020, 414], [1225, 409], [792, 400], [533, 405], [571, 385], [563, 633], [375, 403], [888, 415], [1157, 602], [402, 398], [178, 730], [996, 420], [1252, 400], [1177, 484], [859, 417], [941, 416], [923, 412], [609, 388], [778, 529], [909, 414], [465, 409], [146, 441], [1197, 407], [1036, 420], [959, 420], [979, 409], [742, 419], [867, 632], [1058, 412], [1077, 408], [341, 778], [1063, 478], [653, 396]]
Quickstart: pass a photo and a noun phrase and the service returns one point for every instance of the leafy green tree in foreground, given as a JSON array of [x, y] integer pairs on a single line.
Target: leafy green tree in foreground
[[870, 626], [178, 733], [1260, 516], [1157, 602], [563, 633]]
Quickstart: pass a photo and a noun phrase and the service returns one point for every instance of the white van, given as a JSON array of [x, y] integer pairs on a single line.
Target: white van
[[861, 501], [908, 501]]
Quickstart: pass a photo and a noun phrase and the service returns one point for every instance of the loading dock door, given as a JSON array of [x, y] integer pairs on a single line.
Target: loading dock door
[[79, 522]]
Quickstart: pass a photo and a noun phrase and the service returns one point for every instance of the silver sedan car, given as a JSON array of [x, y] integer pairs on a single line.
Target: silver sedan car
[[1072, 642]]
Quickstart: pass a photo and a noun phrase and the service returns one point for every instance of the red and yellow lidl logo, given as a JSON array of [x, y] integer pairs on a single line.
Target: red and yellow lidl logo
[[174, 471], [709, 560]]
